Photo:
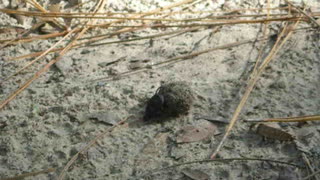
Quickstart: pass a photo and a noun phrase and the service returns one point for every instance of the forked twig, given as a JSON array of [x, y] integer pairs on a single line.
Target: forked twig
[[278, 44], [38, 6], [84, 149], [34, 77], [222, 160], [304, 13], [50, 63], [311, 175], [307, 161], [94, 39], [178, 59], [264, 35], [42, 55]]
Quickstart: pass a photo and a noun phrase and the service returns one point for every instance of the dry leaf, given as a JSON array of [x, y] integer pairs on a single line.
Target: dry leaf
[[156, 145], [196, 174], [274, 131], [192, 133], [108, 117]]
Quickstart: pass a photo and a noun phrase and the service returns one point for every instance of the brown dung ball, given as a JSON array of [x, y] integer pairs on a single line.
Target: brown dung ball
[[170, 100]]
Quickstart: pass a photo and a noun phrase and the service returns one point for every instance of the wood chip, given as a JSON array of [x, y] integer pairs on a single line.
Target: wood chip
[[192, 133], [109, 118], [274, 131], [196, 174]]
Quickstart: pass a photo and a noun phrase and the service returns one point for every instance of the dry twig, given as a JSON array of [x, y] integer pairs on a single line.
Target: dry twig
[[251, 84], [288, 119], [304, 13], [87, 147], [311, 175], [221, 160], [22, 176]]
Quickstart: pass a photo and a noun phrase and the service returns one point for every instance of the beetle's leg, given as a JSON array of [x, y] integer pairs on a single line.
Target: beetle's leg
[[157, 91]]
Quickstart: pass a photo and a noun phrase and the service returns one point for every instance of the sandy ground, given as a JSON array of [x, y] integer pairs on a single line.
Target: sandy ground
[[67, 107]]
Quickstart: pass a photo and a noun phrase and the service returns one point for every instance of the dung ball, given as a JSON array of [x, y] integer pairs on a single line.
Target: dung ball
[[170, 100]]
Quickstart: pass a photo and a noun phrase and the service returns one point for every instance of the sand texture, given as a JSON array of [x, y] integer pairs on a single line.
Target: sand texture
[[78, 98]]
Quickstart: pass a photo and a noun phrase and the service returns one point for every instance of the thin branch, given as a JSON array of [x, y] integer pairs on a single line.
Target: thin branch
[[38, 6], [148, 37], [22, 176], [86, 148], [22, 39], [311, 175], [307, 161], [103, 16], [222, 160], [47, 66], [251, 85], [288, 119], [39, 57], [304, 13], [66, 14], [212, 22], [91, 40], [35, 76], [177, 59]]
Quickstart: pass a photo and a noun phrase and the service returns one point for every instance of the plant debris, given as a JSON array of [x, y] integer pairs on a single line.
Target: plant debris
[[137, 63], [192, 133], [195, 174], [108, 117], [208, 118], [274, 131]]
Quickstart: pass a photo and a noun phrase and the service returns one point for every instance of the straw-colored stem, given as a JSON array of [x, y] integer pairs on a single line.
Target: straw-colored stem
[[311, 175], [205, 23], [304, 13], [178, 59], [42, 55], [32, 38], [288, 119], [38, 6], [45, 68], [86, 148], [279, 43]]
